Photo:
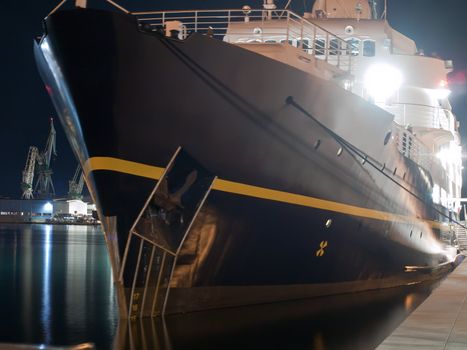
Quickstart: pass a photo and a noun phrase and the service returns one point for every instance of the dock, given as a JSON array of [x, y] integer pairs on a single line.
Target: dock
[[440, 322]]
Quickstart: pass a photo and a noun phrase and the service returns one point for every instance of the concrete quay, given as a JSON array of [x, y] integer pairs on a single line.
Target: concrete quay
[[440, 322]]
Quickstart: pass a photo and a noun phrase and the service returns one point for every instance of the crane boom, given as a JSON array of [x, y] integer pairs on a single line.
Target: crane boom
[[44, 185], [81, 183], [50, 146], [75, 185], [28, 173]]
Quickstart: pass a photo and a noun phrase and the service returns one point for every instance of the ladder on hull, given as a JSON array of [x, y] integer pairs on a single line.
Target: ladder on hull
[[461, 235], [156, 237]]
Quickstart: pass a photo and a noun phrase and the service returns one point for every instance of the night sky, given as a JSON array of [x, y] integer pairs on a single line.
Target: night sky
[[436, 26]]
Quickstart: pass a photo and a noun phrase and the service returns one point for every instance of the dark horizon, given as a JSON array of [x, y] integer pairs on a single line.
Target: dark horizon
[[438, 29]]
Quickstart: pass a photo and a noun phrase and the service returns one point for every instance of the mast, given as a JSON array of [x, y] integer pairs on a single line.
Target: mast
[[75, 185], [357, 9], [270, 6], [374, 12], [385, 11]]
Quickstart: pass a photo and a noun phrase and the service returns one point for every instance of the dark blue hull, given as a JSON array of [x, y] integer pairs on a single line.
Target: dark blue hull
[[300, 205]]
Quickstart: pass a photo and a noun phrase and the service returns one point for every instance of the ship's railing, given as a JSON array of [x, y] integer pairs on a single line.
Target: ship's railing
[[461, 235], [423, 116], [82, 3], [414, 149], [253, 27]]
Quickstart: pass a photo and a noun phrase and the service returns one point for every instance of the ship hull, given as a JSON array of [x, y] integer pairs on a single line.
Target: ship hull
[[318, 201]]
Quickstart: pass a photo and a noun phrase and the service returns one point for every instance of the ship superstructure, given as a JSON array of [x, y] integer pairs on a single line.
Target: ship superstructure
[[247, 156], [371, 59], [344, 42], [390, 71]]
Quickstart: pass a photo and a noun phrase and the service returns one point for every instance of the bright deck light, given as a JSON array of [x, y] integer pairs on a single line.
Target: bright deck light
[[382, 80], [441, 93], [48, 207], [451, 155]]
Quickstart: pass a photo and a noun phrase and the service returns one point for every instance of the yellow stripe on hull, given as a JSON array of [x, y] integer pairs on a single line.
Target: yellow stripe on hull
[[122, 166], [153, 172]]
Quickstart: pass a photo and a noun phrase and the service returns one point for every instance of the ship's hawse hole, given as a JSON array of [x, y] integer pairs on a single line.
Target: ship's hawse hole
[[387, 138]]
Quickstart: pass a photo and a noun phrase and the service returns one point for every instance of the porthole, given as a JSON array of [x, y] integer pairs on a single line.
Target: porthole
[[320, 45], [334, 47], [387, 138], [328, 223], [305, 44], [339, 151], [257, 30], [317, 144], [369, 48], [353, 46], [348, 30], [290, 42]]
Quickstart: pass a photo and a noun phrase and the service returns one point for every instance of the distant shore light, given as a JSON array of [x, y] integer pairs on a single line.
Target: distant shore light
[[48, 207]]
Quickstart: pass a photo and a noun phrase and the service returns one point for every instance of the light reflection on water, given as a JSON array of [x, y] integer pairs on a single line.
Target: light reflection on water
[[56, 285], [56, 288], [359, 321], [45, 314]]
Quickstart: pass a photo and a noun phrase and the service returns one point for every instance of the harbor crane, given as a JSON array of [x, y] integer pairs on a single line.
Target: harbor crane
[[44, 186], [75, 185], [39, 163], [28, 173]]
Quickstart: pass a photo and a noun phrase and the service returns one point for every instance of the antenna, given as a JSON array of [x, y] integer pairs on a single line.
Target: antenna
[[374, 12], [385, 12]]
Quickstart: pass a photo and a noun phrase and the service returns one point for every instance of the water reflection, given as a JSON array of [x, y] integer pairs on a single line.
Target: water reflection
[[45, 314], [357, 321], [56, 286]]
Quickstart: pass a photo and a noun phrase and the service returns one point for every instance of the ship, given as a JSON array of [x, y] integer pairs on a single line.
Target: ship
[[245, 156]]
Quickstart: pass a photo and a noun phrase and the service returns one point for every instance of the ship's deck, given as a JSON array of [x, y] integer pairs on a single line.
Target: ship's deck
[[440, 322]]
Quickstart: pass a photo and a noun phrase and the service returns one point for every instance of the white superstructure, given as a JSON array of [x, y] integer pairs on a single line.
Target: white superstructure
[[344, 42], [386, 69], [389, 71]]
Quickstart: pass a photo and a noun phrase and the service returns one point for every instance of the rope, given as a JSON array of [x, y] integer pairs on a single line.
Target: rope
[[353, 149], [248, 109]]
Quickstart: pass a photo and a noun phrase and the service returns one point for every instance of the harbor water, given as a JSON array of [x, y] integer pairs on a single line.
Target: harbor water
[[56, 288], [56, 285]]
